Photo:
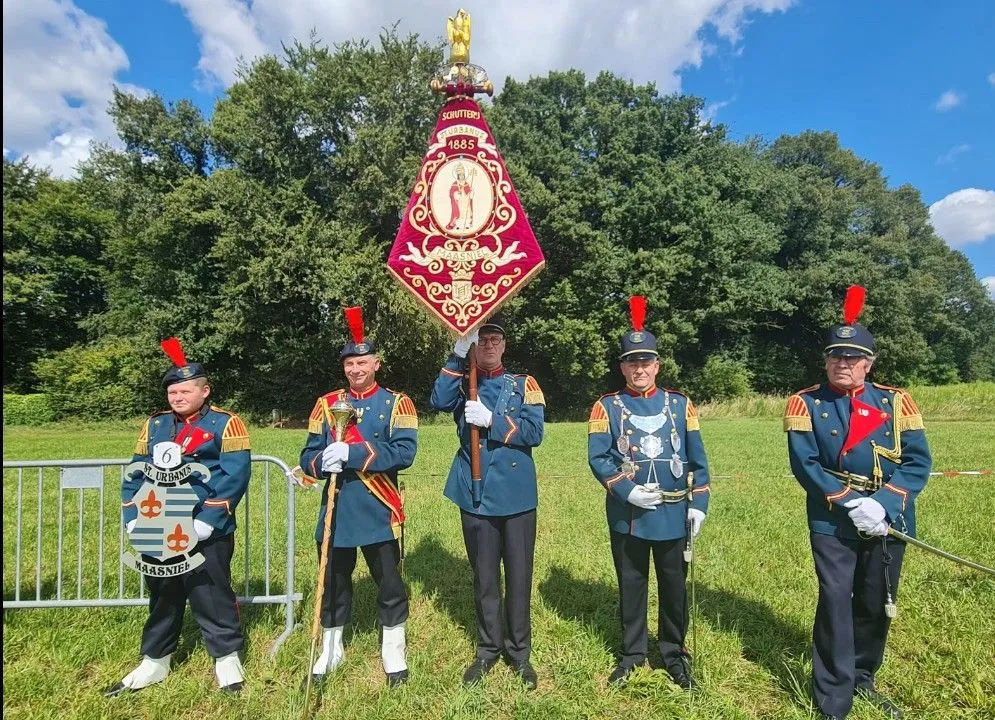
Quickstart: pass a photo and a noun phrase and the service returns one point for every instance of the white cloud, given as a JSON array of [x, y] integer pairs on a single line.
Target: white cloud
[[948, 101], [989, 282], [991, 78], [643, 39], [59, 68], [711, 111], [964, 217], [950, 155]]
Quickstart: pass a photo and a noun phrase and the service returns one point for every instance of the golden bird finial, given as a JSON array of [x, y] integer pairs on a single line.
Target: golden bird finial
[[458, 29]]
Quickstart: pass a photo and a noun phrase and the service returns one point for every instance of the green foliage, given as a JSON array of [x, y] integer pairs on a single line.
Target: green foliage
[[53, 243], [246, 233], [106, 380], [33, 409], [720, 378]]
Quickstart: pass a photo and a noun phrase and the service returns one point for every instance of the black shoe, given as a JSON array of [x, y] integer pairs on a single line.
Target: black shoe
[[475, 673], [681, 674], [621, 674], [880, 701], [397, 678], [116, 689], [527, 673], [234, 689]]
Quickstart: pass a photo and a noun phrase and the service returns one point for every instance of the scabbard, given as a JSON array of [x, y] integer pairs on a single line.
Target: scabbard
[[897, 534]]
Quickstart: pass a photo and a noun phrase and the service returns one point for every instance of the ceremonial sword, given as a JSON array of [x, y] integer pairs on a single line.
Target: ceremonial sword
[[897, 534]]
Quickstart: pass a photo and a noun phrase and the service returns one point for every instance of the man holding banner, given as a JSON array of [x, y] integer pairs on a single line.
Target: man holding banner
[[213, 444], [498, 510], [367, 510]]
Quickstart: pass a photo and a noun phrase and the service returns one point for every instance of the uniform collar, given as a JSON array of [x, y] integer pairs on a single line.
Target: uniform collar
[[196, 416], [496, 372], [362, 395], [847, 393], [629, 390]]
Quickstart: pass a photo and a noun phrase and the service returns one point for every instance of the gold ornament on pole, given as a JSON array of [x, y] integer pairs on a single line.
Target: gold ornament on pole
[[458, 77]]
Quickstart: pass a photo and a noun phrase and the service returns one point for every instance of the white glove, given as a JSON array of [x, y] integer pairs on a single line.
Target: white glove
[[866, 513], [462, 346], [880, 530], [476, 413], [334, 457], [697, 518], [646, 499], [202, 529], [131, 525]]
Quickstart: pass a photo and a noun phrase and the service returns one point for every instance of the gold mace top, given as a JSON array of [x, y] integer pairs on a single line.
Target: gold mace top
[[458, 29]]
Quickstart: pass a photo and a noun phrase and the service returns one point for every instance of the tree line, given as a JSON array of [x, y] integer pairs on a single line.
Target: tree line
[[245, 233]]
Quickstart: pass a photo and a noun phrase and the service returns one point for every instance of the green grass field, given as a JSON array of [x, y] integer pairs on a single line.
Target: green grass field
[[756, 595]]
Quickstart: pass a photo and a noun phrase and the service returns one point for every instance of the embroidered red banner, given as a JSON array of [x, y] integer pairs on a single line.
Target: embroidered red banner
[[465, 244]]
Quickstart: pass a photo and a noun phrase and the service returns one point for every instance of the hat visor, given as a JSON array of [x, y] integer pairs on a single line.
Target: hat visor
[[491, 328], [848, 351], [639, 355]]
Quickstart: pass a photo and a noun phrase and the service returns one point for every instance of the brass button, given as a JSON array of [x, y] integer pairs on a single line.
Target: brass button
[[514, 464], [382, 417], [825, 415], [376, 434], [833, 433], [818, 401], [628, 432], [887, 433], [884, 400]]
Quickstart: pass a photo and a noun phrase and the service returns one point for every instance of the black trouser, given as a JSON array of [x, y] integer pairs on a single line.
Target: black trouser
[[489, 541], [850, 622], [632, 567], [212, 602], [383, 560]]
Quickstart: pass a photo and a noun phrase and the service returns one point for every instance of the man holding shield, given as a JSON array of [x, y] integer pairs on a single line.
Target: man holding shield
[[367, 510], [215, 441], [498, 511]]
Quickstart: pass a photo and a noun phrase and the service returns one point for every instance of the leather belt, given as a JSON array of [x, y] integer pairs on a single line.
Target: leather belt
[[861, 483], [673, 496]]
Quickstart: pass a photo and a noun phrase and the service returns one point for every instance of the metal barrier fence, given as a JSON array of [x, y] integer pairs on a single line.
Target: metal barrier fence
[[33, 552]]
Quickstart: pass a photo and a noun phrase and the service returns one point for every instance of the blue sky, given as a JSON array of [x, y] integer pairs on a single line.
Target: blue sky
[[909, 85]]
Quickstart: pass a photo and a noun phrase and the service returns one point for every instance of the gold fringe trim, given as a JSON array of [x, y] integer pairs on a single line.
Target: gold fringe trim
[[233, 444], [798, 423], [142, 445], [597, 426], [406, 421], [534, 397], [910, 422], [692, 424]]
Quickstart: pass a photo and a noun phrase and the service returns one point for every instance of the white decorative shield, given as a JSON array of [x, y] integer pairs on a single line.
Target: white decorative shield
[[165, 529]]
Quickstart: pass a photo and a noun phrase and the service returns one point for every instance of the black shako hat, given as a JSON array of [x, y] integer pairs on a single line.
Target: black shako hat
[[638, 344], [850, 338], [358, 345], [181, 370]]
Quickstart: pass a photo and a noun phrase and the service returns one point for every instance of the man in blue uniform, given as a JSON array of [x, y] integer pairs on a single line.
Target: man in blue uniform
[[859, 450], [368, 511], [645, 448], [498, 516], [219, 441]]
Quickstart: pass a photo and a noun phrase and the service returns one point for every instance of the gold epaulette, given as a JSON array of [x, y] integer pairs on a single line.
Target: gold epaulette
[[675, 392], [533, 393], [691, 417], [404, 415], [236, 435], [142, 445], [796, 414], [598, 422], [909, 414]]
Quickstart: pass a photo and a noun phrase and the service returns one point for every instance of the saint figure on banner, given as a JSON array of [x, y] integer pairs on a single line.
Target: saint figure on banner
[[461, 199]]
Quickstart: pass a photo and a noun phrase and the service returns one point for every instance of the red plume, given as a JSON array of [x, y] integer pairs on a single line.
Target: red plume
[[354, 316], [174, 350], [853, 304], [637, 311]]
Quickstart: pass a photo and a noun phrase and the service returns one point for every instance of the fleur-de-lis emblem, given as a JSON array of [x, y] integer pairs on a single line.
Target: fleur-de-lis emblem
[[178, 540], [151, 507]]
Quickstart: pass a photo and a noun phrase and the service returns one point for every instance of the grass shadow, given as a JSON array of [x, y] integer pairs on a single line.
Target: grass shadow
[[591, 603], [446, 580], [768, 640]]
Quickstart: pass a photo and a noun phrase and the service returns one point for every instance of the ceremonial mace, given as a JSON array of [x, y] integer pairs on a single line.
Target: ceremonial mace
[[475, 479], [689, 559], [341, 412]]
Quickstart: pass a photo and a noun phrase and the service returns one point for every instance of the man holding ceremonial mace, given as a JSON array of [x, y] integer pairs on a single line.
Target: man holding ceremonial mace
[[361, 507]]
